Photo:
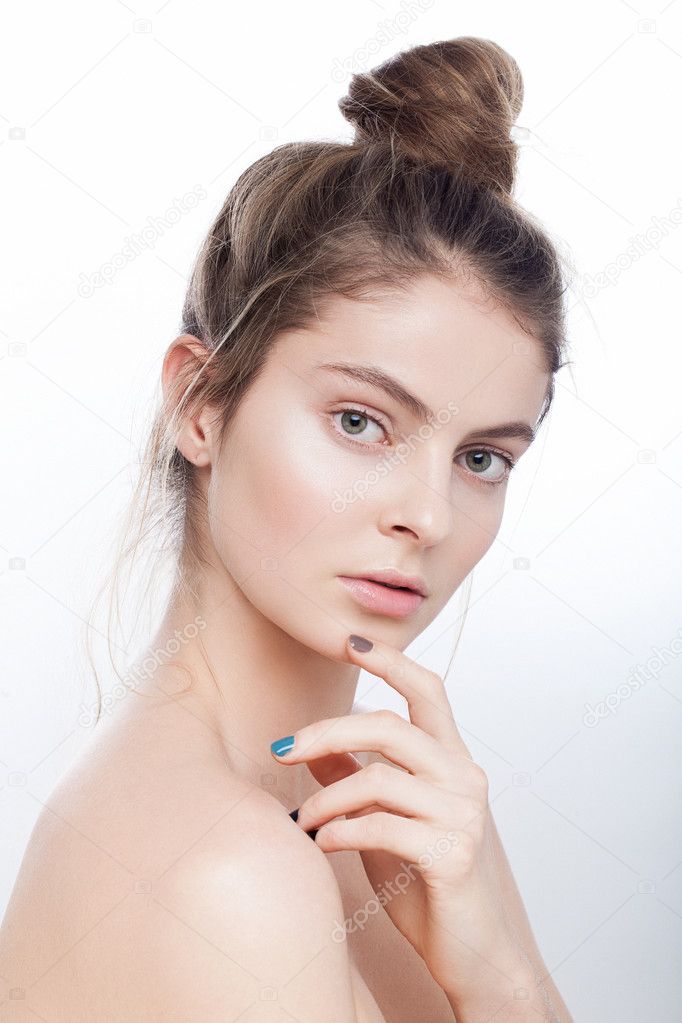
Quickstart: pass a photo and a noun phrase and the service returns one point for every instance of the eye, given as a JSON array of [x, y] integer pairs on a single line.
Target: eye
[[353, 424], [481, 458]]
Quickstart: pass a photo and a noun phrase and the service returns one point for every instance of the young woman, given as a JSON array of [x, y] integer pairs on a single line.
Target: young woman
[[368, 346]]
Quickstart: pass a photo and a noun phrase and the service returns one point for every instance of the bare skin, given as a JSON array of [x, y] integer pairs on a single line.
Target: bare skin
[[112, 862], [268, 658]]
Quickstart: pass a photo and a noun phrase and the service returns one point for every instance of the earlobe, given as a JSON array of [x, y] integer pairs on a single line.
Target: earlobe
[[205, 430], [201, 458], [192, 443]]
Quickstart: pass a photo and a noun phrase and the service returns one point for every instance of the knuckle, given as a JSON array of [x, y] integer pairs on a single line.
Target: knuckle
[[386, 718], [376, 772], [479, 783], [435, 680], [379, 824]]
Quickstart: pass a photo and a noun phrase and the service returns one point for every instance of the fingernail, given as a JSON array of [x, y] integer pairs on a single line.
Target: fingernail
[[282, 746], [294, 817], [360, 643]]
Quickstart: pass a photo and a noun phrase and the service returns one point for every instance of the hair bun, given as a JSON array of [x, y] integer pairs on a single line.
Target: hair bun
[[452, 103]]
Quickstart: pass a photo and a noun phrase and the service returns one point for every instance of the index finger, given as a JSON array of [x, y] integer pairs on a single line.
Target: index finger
[[424, 690]]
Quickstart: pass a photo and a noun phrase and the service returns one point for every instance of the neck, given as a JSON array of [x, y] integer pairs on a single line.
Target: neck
[[251, 682]]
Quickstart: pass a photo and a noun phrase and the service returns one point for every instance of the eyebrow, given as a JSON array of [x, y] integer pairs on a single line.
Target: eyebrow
[[376, 377]]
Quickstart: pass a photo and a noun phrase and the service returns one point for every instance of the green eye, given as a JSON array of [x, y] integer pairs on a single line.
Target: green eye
[[349, 420], [487, 455], [354, 423]]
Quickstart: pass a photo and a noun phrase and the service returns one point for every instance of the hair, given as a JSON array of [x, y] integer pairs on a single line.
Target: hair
[[424, 187]]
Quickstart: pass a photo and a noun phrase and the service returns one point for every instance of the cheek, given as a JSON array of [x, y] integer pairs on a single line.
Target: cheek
[[271, 490], [476, 523]]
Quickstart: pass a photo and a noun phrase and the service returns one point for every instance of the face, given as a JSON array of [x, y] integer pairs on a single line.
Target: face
[[324, 475]]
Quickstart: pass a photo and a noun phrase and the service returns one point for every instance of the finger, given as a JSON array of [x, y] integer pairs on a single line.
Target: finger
[[424, 690], [382, 731], [408, 839], [382, 787]]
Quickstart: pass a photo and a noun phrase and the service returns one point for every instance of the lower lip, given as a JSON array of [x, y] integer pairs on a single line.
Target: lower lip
[[382, 599]]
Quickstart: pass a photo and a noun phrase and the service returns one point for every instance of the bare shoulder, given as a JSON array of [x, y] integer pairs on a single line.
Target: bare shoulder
[[168, 889], [254, 916], [261, 918]]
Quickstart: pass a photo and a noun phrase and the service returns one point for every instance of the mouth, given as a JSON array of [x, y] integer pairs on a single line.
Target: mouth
[[383, 598]]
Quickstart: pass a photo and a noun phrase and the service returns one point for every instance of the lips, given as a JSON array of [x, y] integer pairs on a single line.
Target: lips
[[389, 586], [397, 580], [380, 598]]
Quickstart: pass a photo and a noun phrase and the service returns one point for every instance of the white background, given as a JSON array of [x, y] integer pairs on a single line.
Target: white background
[[106, 120]]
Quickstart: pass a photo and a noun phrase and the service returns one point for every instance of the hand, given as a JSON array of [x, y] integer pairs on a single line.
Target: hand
[[424, 827]]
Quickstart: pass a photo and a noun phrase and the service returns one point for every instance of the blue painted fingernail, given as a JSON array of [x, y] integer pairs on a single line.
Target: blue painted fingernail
[[360, 643], [282, 746]]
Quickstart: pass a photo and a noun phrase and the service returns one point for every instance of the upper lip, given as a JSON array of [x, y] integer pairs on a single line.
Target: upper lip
[[395, 578]]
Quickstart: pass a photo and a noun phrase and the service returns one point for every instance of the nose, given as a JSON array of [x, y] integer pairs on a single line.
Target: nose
[[419, 506]]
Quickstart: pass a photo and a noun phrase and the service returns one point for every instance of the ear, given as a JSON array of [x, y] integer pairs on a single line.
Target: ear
[[181, 363]]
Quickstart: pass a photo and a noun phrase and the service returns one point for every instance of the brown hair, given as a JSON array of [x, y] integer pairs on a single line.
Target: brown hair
[[424, 187]]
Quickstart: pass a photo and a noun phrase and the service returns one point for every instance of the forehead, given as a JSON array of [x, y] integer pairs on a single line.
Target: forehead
[[442, 339]]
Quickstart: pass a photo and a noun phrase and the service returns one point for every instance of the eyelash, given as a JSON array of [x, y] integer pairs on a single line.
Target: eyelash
[[477, 479]]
